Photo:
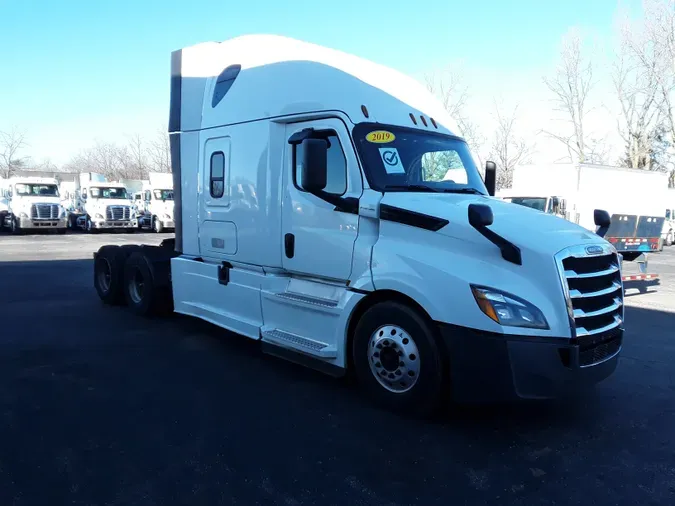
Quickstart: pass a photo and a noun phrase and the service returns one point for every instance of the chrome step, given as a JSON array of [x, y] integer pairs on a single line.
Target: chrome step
[[299, 343]]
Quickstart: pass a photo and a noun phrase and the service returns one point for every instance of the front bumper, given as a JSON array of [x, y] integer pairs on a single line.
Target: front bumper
[[114, 224], [28, 223], [167, 223], [486, 367]]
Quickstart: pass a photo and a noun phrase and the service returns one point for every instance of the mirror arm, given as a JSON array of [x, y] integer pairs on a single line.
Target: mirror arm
[[348, 205], [510, 252]]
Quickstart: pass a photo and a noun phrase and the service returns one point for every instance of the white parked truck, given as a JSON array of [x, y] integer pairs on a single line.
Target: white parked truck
[[31, 203], [668, 231], [356, 251], [102, 205], [158, 206], [633, 198]]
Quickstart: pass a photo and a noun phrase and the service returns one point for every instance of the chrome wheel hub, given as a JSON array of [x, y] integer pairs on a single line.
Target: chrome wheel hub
[[394, 358]]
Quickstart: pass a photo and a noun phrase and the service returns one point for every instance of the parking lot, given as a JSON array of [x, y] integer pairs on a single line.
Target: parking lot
[[98, 406]]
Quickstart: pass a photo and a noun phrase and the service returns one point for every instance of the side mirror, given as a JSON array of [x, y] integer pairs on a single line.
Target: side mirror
[[491, 177], [480, 216], [602, 221], [314, 165], [555, 205]]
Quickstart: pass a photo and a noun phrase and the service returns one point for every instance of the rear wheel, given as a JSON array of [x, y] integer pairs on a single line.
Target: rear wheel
[[143, 292], [398, 360], [108, 274]]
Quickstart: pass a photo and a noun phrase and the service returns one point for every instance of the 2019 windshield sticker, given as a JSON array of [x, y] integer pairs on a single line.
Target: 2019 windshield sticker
[[392, 161], [380, 137]]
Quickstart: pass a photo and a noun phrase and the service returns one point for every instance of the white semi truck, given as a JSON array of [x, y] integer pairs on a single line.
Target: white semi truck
[[102, 205], [357, 253], [31, 203], [157, 209]]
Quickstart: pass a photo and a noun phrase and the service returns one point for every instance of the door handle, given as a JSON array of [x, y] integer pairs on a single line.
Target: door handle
[[289, 245]]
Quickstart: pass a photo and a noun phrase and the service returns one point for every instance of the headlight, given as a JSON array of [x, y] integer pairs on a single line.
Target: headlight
[[98, 216], [23, 215], [507, 309]]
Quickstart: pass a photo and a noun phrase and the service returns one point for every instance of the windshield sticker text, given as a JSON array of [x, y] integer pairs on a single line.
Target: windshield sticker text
[[392, 161], [380, 137]]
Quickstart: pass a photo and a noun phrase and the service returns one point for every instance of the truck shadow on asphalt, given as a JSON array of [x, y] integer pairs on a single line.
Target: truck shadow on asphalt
[[172, 390]]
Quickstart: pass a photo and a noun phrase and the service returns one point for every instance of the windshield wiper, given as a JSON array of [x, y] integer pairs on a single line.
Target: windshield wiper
[[473, 191], [417, 187]]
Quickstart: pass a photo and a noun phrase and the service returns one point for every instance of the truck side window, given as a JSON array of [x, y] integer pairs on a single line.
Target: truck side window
[[217, 186], [337, 166]]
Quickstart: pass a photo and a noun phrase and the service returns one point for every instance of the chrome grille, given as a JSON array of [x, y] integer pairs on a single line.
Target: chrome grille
[[593, 287], [118, 213], [44, 211]]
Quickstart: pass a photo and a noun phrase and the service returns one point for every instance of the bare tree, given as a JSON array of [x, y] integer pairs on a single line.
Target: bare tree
[[571, 86], [11, 144], [508, 149], [636, 82], [159, 152], [448, 88], [135, 158], [653, 47]]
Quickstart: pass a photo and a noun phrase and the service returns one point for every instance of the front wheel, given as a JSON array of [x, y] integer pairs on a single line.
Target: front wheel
[[15, 227], [89, 226], [157, 225], [398, 360], [669, 238]]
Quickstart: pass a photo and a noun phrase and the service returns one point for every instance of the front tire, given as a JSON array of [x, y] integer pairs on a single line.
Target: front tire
[[157, 225], [15, 227], [398, 360], [669, 238]]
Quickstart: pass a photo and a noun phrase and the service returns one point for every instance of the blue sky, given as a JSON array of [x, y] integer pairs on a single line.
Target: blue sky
[[74, 71]]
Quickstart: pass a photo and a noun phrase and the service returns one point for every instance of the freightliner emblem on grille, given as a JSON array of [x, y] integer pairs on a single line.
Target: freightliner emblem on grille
[[594, 250]]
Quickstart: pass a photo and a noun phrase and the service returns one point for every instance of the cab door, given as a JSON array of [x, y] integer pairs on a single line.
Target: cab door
[[318, 240]]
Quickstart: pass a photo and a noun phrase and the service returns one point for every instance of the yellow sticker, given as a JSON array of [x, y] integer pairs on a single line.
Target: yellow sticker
[[380, 137]]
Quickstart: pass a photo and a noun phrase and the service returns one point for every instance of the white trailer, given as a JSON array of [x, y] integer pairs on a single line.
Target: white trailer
[[633, 198], [157, 211], [347, 248], [31, 203]]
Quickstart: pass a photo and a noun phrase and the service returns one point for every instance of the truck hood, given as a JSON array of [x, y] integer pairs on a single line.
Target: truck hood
[[22, 204], [526, 228]]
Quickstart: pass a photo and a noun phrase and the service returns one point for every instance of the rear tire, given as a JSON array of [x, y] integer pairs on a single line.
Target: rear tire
[[109, 274], [411, 377], [143, 292]]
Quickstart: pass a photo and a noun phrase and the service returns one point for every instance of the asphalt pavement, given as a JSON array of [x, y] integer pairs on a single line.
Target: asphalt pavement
[[99, 407]]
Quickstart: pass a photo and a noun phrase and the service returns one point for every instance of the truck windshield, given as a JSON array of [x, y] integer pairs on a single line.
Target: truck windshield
[[407, 159], [109, 193], [538, 203], [163, 194], [35, 190]]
